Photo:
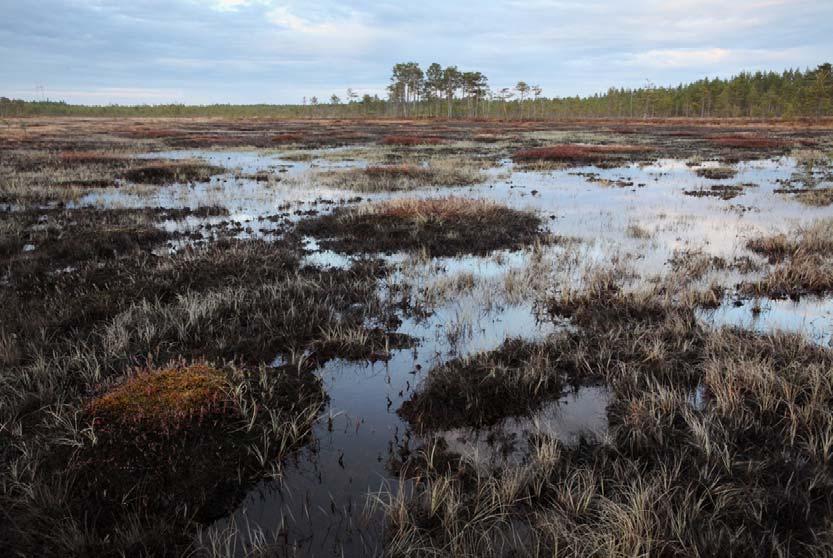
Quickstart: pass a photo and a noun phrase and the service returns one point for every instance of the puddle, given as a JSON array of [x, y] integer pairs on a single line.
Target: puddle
[[810, 316], [579, 414]]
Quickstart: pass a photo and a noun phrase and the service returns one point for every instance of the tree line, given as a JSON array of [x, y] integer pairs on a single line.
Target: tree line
[[450, 92]]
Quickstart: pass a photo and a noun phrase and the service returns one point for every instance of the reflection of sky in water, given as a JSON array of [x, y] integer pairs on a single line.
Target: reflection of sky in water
[[810, 316], [323, 490], [352, 458]]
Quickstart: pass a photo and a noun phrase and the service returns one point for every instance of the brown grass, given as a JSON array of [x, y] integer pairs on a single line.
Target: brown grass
[[398, 171], [406, 176], [73, 158], [803, 262], [448, 208], [820, 197], [740, 470], [813, 240], [441, 226]]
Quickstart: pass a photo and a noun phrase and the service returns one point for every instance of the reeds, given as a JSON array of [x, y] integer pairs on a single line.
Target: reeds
[[803, 262]]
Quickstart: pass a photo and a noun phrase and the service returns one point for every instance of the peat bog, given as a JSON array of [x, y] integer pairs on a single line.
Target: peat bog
[[416, 338]]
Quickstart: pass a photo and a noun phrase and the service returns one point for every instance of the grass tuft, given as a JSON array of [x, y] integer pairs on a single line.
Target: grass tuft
[[441, 226]]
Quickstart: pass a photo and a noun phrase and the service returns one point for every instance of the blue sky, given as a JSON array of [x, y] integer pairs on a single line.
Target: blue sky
[[246, 51]]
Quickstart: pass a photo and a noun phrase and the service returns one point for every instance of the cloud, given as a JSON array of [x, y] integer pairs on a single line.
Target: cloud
[[106, 95], [281, 50], [681, 58]]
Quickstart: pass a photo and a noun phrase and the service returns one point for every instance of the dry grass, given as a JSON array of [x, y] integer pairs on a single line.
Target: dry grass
[[73, 158], [171, 444], [440, 226], [441, 209], [386, 178], [819, 197], [813, 240], [742, 472], [637, 231]]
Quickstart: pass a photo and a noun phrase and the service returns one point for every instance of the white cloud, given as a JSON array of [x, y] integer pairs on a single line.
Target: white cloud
[[280, 50], [681, 58]]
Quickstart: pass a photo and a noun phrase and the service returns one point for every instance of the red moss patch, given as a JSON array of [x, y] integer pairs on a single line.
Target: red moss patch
[[576, 153], [163, 400], [411, 140], [749, 142], [286, 138]]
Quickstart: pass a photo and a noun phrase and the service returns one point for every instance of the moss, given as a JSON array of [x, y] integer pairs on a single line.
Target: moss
[[163, 399]]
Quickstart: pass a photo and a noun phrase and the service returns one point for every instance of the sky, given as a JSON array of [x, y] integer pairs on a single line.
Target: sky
[[276, 51]]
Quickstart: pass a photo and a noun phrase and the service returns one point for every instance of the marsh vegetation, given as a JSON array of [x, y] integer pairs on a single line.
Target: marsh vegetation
[[416, 338]]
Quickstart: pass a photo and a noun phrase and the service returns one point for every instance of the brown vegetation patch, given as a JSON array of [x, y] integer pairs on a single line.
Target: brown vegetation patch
[[815, 197], [178, 443], [397, 171], [378, 178], [411, 140], [486, 388], [575, 153], [722, 191], [163, 400], [169, 172], [72, 158], [287, 138], [803, 262], [441, 226], [750, 142], [174, 443], [716, 173], [704, 427]]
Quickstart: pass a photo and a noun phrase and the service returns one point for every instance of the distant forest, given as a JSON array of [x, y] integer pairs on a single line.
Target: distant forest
[[451, 93]]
